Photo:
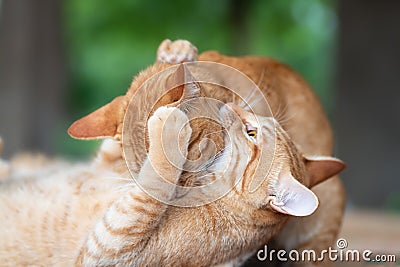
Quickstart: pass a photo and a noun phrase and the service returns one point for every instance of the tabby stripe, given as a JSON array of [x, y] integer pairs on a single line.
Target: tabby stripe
[[142, 210], [125, 218], [115, 252], [210, 212], [127, 261], [269, 131], [99, 248], [44, 226], [66, 215], [79, 259], [250, 170], [111, 240], [94, 244], [237, 160], [122, 209], [120, 216], [125, 231], [143, 199], [56, 228], [244, 174], [85, 252]]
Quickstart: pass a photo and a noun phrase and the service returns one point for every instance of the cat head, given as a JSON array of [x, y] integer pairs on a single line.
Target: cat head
[[275, 174], [150, 90], [286, 189]]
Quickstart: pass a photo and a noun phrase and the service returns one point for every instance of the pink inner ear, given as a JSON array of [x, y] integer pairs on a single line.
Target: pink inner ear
[[296, 200]]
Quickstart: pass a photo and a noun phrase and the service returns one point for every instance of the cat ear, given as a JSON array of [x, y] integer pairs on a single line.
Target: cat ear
[[101, 123], [292, 197], [183, 77], [320, 168], [105, 121]]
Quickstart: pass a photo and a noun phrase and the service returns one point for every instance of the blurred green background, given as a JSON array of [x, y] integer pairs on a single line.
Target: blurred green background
[[108, 42]]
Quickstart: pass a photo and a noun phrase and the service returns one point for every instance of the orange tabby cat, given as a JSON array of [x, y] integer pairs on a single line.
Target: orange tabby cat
[[79, 217], [92, 216], [290, 99]]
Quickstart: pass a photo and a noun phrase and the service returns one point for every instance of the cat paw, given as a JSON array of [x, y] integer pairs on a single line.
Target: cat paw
[[169, 129], [176, 52]]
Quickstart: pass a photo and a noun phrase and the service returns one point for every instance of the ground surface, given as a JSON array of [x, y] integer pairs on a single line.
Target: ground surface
[[364, 230], [375, 231]]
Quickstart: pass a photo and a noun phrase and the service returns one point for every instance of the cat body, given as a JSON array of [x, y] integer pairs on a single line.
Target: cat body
[[291, 101], [131, 227], [94, 215]]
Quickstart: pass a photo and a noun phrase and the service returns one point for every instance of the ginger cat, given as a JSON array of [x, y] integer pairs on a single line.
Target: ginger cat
[[95, 216], [293, 104]]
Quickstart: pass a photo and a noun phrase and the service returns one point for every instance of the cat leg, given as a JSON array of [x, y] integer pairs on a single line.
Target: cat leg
[[176, 52], [118, 238]]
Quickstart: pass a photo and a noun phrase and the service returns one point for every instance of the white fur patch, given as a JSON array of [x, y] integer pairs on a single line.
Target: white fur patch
[[176, 52]]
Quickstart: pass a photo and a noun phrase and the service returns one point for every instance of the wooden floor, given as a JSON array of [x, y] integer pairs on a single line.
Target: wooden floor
[[375, 231], [363, 230]]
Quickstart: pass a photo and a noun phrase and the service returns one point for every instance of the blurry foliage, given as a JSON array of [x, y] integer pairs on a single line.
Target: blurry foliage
[[108, 42], [393, 202]]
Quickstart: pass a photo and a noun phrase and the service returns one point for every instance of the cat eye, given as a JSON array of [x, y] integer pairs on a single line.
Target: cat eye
[[251, 131]]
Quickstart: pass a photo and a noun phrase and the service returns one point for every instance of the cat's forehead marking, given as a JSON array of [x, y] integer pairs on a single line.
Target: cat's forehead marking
[[268, 128]]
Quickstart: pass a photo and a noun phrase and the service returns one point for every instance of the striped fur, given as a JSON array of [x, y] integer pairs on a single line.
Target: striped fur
[[140, 231], [96, 227], [91, 215]]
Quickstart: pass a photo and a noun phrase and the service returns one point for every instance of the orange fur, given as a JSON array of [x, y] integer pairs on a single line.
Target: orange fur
[[92, 214], [302, 116]]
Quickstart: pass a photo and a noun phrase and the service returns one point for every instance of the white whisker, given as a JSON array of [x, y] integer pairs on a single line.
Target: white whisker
[[124, 188], [261, 77], [253, 103], [250, 96]]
